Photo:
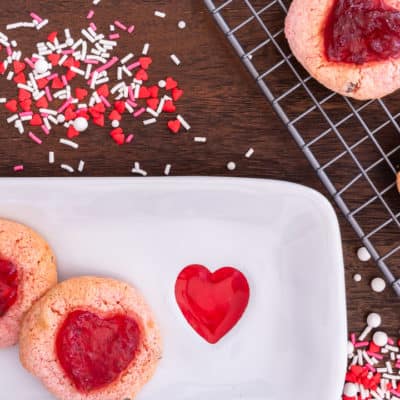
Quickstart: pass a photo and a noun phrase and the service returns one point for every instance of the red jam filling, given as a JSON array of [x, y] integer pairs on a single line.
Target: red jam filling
[[93, 351], [8, 285], [360, 31]]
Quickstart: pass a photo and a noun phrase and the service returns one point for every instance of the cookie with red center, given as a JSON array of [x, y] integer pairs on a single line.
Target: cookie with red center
[[27, 271], [359, 60], [92, 338]]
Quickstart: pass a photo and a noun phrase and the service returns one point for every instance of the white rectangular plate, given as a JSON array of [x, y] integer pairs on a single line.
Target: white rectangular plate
[[290, 343]]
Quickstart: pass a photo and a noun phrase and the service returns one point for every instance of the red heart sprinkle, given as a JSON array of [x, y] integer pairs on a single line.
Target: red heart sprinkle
[[2, 68], [72, 132], [169, 106], [19, 66], [115, 115], [153, 90], [80, 93], [20, 78], [42, 102], [99, 120], [177, 94], [52, 37], [12, 105], [103, 90], [36, 120], [70, 75], [24, 94], [142, 75], [171, 83], [69, 62], [100, 107], [174, 126], [120, 106], [69, 114], [118, 136], [212, 303], [26, 104], [145, 62], [153, 103], [54, 59], [57, 83], [144, 93], [83, 114], [42, 83]]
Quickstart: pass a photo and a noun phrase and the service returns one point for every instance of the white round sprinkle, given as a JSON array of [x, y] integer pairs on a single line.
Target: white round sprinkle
[[181, 24], [380, 339], [363, 254], [350, 390], [357, 278], [14, 43], [378, 285], [60, 118], [162, 84], [350, 348], [69, 42], [115, 123], [374, 320], [80, 124], [41, 66], [231, 166]]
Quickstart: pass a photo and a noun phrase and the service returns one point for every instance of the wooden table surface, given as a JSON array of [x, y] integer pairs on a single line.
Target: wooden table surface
[[221, 102]]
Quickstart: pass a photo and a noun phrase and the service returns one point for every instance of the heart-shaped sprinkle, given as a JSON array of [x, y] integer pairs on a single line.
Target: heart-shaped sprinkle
[[118, 136], [120, 106], [72, 132], [70, 75], [174, 125], [153, 103], [57, 83], [145, 62], [170, 83], [103, 90], [36, 120], [42, 83], [142, 75], [177, 94], [153, 91], [169, 107], [52, 37], [42, 102], [8, 285], [54, 59], [212, 303], [115, 115], [20, 78], [26, 104], [24, 94], [12, 105], [144, 93], [18, 66], [80, 93], [100, 107], [2, 68], [103, 348], [69, 114], [99, 120]]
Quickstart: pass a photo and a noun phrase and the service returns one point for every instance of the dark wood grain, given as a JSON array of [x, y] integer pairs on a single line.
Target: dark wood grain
[[221, 102]]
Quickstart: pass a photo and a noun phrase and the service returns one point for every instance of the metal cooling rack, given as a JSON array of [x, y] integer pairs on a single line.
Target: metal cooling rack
[[361, 176]]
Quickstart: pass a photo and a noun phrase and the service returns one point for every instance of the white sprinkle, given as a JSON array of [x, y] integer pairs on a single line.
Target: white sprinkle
[[146, 48], [69, 143], [12, 118], [42, 24], [88, 71], [127, 58], [81, 165], [167, 169], [137, 170], [162, 84], [3, 100], [249, 153], [26, 118], [10, 75], [378, 285], [391, 377], [95, 2], [183, 122], [357, 278], [231, 166], [200, 139], [19, 126], [51, 157], [115, 123], [14, 26], [152, 112], [47, 111], [175, 59], [363, 254], [78, 71], [392, 356], [112, 28], [160, 14], [392, 348], [181, 24], [149, 121], [67, 168], [389, 367]]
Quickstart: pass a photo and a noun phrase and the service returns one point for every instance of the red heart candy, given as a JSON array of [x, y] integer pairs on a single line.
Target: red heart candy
[[26, 104], [177, 94], [120, 106], [20, 78], [170, 83], [103, 90], [145, 62], [24, 94], [109, 346], [52, 37], [72, 132], [118, 136], [36, 120], [42, 83], [169, 107], [212, 303], [12, 105], [69, 62], [153, 103], [70, 75], [142, 75], [80, 93], [19, 66], [144, 93], [69, 114], [57, 83], [115, 115], [99, 107], [99, 120], [8, 285], [174, 126], [153, 90], [2, 68], [54, 59], [42, 102]]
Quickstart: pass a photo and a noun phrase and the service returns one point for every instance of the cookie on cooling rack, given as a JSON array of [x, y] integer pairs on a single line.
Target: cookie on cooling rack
[[350, 46], [27, 271], [91, 338]]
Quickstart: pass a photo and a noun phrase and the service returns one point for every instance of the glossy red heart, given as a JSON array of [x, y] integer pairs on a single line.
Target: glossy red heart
[[12, 105], [171, 83], [142, 75], [145, 62], [19, 66], [174, 125], [212, 303], [36, 120], [94, 351]]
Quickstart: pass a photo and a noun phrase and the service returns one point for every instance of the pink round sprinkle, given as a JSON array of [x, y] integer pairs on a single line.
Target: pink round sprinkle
[[18, 168], [90, 14]]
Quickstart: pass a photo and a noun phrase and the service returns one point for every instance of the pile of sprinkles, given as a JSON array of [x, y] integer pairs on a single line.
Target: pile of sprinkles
[[49, 96]]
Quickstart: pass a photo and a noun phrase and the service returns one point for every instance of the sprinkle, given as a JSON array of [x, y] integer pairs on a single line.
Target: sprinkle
[[200, 139], [146, 48], [130, 138], [131, 28], [90, 14], [51, 157], [181, 24], [363, 254], [42, 24], [120, 25], [167, 169], [137, 170], [231, 167], [81, 166], [114, 36], [149, 121], [162, 84], [160, 14], [357, 278], [183, 122], [96, 2], [175, 59], [139, 112], [249, 153], [36, 17], [67, 168], [69, 143], [127, 58], [18, 168]]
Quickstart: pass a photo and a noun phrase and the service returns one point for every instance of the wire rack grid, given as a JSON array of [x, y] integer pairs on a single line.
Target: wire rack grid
[[361, 175]]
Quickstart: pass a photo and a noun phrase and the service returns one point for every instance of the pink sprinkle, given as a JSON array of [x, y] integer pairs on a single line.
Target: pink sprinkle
[[44, 115], [67, 52], [131, 103], [352, 336], [18, 168], [35, 138], [130, 138], [93, 26], [120, 25], [131, 28], [397, 394], [370, 367], [29, 62], [9, 51], [391, 341], [90, 14], [51, 77], [89, 61], [25, 113], [375, 355], [48, 93], [361, 344], [114, 36], [106, 65], [65, 105], [45, 129], [36, 17], [65, 80], [134, 65], [131, 94], [105, 101], [139, 112]]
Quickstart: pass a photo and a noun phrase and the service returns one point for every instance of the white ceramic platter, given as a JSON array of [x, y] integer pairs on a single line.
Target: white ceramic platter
[[290, 343]]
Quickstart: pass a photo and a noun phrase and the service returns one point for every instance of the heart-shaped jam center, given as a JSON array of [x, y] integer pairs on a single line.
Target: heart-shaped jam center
[[360, 31], [212, 303], [94, 351], [8, 285]]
